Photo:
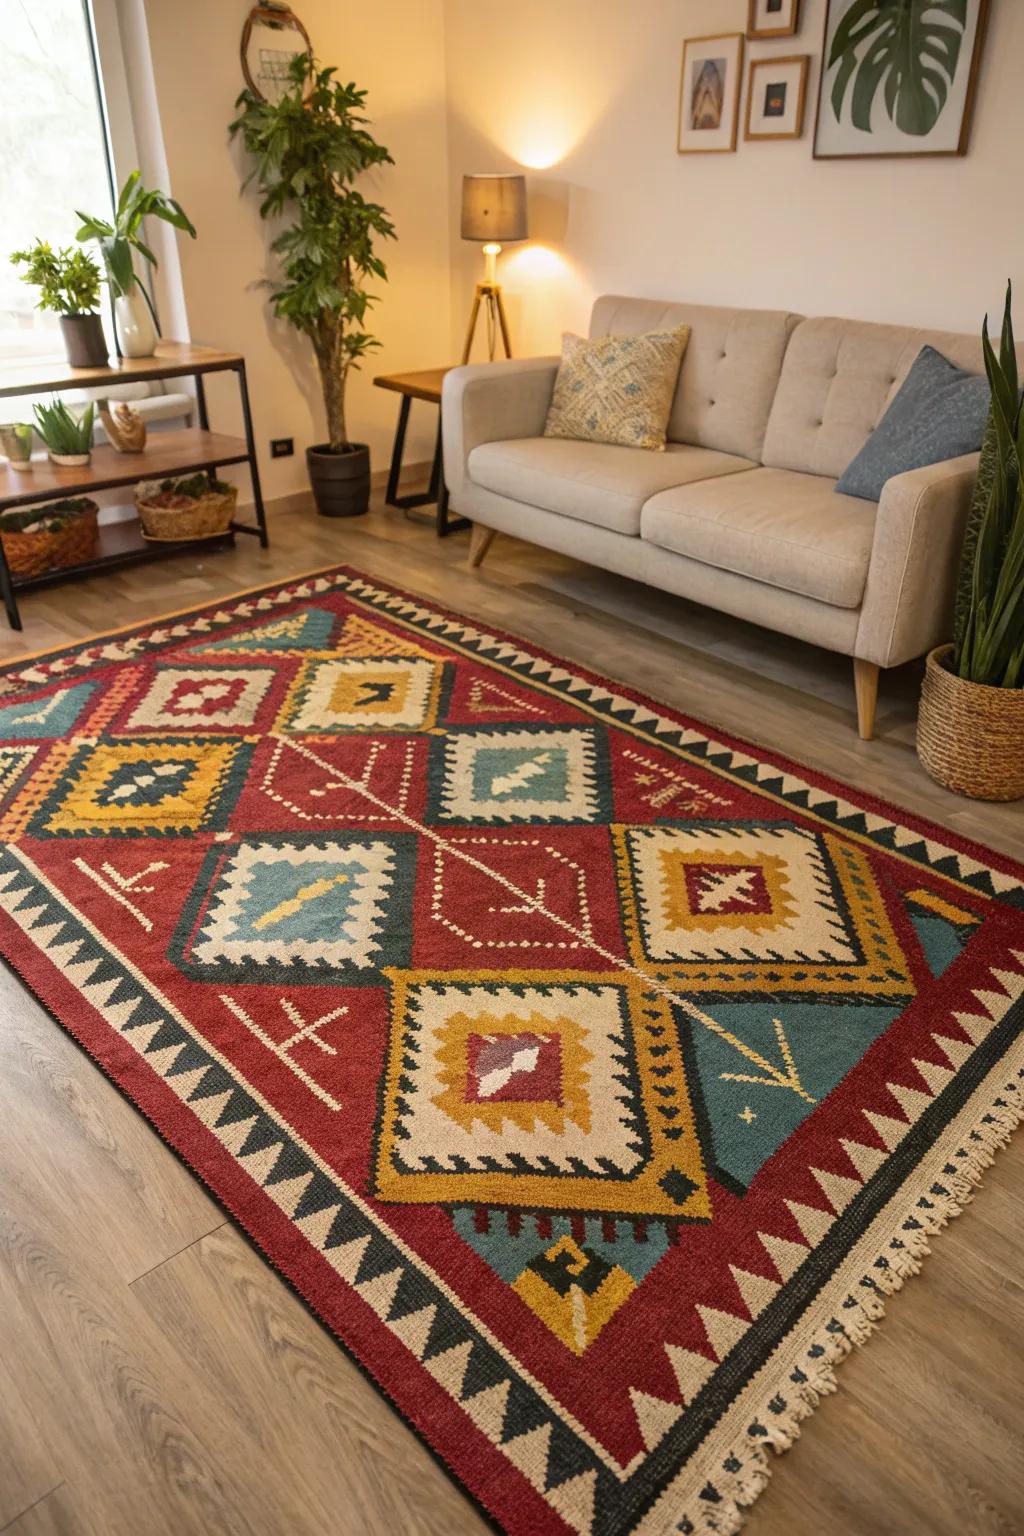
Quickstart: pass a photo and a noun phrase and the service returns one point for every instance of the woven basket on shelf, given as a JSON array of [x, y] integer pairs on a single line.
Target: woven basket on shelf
[[970, 737], [31, 551], [204, 518]]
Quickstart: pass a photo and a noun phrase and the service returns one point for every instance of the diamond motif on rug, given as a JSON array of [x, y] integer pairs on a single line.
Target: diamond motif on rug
[[145, 788], [526, 774], [327, 909], [758, 907], [542, 1093], [363, 693], [198, 698]]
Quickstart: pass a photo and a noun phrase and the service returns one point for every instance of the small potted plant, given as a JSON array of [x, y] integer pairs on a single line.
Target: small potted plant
[[970, 730], [134, 316], [69, 284], [310, 147], [68, 437]]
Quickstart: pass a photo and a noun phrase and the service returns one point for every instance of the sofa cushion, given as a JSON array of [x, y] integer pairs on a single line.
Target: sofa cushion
[[730, 372], [789, 530], [595, 483], [939, 413], [838, 379], [617, 389]]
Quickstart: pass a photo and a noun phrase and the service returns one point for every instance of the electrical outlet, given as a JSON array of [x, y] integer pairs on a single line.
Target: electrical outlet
[[282, 447]]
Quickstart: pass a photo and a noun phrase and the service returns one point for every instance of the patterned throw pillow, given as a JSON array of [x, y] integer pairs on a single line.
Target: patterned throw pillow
[[617, 389]]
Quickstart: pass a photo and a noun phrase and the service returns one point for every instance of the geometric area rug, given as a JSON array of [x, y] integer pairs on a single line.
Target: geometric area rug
[[593, 1076]]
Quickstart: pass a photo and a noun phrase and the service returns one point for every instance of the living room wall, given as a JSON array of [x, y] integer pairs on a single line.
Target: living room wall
[[399, 58], [584, 95]]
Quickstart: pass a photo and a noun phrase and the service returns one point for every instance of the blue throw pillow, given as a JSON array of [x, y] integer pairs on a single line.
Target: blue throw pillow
[[939, 412]]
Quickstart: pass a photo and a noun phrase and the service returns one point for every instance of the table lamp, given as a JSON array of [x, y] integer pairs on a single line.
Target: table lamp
[[493, 210]]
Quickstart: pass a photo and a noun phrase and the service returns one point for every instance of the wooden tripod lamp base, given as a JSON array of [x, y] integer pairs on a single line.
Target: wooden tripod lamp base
[[488, 294]]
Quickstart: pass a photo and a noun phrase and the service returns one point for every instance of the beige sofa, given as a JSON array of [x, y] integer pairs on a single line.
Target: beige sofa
[[740, 511]]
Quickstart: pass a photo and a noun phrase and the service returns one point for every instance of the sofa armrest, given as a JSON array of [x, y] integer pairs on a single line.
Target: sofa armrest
[[486, 402], [915, 558]]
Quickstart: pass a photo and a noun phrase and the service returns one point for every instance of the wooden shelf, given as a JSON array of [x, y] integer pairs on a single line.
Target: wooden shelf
[[166, 453], [121, 544], [171, 360]]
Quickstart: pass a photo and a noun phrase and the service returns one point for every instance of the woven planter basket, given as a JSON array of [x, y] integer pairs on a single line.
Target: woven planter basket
[[31, 551], [970, 737], [206, 518]]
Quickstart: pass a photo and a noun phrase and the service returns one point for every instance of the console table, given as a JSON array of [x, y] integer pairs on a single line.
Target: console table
[[180, 452]]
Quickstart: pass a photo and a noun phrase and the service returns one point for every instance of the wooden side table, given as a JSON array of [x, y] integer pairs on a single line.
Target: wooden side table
[[424, 384]]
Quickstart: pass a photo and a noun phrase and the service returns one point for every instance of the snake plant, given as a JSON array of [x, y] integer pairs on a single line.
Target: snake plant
[[989, 636]]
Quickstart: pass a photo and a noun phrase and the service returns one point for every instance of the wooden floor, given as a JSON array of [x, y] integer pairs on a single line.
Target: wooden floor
[[158, 1379]]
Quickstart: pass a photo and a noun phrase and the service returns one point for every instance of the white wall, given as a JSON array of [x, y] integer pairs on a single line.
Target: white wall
[[586, 92], [397, 54]]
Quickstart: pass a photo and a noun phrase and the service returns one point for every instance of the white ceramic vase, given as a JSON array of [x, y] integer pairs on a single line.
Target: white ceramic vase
[[136, 333]]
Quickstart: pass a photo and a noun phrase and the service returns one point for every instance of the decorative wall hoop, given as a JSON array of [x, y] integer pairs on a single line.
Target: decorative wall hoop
[[280, 18]]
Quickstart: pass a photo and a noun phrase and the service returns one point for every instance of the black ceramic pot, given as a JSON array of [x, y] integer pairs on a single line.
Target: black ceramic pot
[[340, 481], [84, 341]]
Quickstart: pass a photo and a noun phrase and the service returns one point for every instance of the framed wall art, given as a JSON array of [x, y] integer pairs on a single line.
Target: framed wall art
[[776, 96], [899, 77], [709, 94], [271, 38], [772, 18]]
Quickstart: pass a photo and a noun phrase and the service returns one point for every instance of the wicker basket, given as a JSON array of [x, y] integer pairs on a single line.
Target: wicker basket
[[31, 551], [207, 517], [970, 737]]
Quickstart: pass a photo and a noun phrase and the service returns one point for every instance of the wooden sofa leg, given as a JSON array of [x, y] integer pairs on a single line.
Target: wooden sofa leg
[[865, 682], [480, 541]]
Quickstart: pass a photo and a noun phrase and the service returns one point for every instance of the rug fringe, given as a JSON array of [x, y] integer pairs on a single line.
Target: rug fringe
[[721, 1507]]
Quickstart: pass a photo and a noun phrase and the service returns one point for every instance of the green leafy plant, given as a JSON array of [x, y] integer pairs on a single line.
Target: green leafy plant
[[309, 148], [989, 637], [909, 48], [119, 241], [62, 431], [68, 279]]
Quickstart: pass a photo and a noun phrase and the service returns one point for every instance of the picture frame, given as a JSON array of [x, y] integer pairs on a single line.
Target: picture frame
[[271, 37], [710, 84], [777, 97], [901, 115], [772, 18]]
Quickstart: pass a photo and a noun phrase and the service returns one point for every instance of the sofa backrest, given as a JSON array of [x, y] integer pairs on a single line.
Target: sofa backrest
[[730, 372], [837, 380]]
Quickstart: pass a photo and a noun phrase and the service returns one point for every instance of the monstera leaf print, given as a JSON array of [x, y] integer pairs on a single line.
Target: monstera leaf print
[[910, 49]]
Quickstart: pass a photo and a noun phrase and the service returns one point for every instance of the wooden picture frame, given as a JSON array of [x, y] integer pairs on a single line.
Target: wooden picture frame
[[835, 139], [710, 86], [761, 22], [791, 72]]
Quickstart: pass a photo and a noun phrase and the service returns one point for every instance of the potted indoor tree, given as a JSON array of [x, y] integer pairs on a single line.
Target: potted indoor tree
[[970, 733], [310, 147], [134, 316], [69, 285]]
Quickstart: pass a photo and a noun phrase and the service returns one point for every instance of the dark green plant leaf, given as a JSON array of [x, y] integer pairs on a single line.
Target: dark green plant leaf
[[910, 49]]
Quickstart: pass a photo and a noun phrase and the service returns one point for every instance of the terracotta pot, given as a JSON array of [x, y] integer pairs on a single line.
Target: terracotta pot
[[970, 737], [340, 481], [84, 341]]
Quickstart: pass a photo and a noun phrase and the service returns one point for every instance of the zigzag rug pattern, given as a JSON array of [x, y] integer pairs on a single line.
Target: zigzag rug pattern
[[592, 1077]]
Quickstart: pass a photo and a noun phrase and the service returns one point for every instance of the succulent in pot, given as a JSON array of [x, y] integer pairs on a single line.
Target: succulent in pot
[[67, 437], [68, 280], [970, 733], [310, 147]]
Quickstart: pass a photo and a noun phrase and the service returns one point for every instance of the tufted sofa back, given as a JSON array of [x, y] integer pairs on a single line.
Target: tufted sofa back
[[730, 373], [837, 380]]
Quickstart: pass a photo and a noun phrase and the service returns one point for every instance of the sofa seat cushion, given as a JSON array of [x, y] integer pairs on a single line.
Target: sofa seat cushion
[[595, 483], [787, 529]]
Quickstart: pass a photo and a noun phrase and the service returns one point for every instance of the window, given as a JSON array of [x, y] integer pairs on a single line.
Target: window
[[53, 153]]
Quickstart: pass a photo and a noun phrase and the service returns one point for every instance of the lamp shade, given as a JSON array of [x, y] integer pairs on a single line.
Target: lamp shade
[[494, 208]]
